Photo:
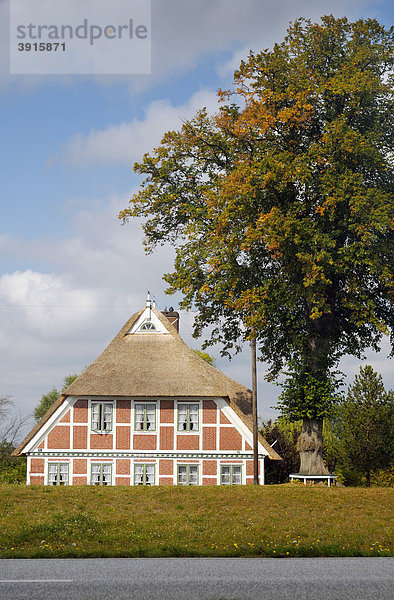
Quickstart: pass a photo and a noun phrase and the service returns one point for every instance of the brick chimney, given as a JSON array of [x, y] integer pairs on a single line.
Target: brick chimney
[[172, 316]]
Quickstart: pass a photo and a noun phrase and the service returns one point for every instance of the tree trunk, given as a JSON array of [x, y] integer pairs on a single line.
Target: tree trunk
[[310, 447]]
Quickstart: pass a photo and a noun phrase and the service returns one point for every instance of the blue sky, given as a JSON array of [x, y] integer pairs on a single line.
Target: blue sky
[[70, 274]]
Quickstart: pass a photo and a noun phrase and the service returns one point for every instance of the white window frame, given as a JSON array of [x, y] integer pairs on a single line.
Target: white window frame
[[102, 407], [147, 326], [231, 474], [144, 467], [59, 466], [145, 429], [188, 428], [101, 473], [188, 466]]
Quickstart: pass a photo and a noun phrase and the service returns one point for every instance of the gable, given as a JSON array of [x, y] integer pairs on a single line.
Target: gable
[[148, 323]]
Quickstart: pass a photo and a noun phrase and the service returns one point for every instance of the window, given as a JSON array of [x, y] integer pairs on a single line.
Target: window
[[57, 474], [144, 474], [148, 326], [230, 475], [101, 416], [145, 417], [187, 474], [187, 417], [101, 474]]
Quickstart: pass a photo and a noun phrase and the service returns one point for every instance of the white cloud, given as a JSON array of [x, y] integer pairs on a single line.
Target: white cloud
[[43, 302], [127, 142], [185, 32]]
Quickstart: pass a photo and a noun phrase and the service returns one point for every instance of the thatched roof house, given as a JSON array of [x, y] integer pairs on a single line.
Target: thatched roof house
[[147, 364]]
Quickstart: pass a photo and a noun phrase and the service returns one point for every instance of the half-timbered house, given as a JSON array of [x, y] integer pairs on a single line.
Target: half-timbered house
[[147, 411]]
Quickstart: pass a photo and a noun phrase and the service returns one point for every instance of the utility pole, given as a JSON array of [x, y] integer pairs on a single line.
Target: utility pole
[[254, 412]]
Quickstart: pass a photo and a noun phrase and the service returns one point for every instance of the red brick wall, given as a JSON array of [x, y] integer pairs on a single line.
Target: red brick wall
[[80, 481], [122, 438], [166, 481], [80, 466], [37, 465], [144, 442], [123, 466], [209, 411], [224, 420], [166, 467], [66, 418], [230, 439], [250, 469], [81, 411], [166, 411], [122, 481], [80, 437], [209, 438], [59, 437], [166, 438], [101, 442], [209, 467], [37, 480], [206, 481], [123, 411], [187, 442]]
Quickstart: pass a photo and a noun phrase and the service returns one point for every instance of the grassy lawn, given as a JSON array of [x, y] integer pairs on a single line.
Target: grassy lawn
[[273, 521]]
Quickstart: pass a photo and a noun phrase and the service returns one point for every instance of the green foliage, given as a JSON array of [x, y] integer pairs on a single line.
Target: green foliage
[[50, 398], [365, 426], [383, 478], [68, 381], [12, 469], [280, 205], [308, 394], [45, 404], [205, 356], [285, 434]]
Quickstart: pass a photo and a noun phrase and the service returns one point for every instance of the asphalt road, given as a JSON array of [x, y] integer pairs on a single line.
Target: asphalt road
[[197, 579]]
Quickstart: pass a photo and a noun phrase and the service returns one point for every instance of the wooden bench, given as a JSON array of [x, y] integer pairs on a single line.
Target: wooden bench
[[330, 478]]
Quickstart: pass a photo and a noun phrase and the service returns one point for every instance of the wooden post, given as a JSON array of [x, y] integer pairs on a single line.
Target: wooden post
[[254, 412]]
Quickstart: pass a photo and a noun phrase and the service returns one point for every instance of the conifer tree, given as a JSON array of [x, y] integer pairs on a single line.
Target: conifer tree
[[366, 424]]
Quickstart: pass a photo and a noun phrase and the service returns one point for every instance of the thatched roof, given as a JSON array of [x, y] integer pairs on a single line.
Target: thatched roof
[[144, 364]]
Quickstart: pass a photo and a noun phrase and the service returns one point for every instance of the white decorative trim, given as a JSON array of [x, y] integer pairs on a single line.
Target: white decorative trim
[[147, 315], [152, 454], [28, 465], [43, 432], [239, 425]]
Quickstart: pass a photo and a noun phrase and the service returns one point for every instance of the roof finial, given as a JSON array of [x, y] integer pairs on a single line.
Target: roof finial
[[148, 300]]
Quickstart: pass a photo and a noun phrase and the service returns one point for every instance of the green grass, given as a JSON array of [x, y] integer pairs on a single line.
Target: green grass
[[272, 521]]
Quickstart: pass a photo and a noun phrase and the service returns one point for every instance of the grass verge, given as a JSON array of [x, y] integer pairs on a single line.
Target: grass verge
[[270, 521]]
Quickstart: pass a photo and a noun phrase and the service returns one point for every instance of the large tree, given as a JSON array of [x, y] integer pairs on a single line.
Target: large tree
[[279, 207]]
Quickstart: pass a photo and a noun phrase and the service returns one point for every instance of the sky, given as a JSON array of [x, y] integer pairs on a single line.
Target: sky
[[70, 273]]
